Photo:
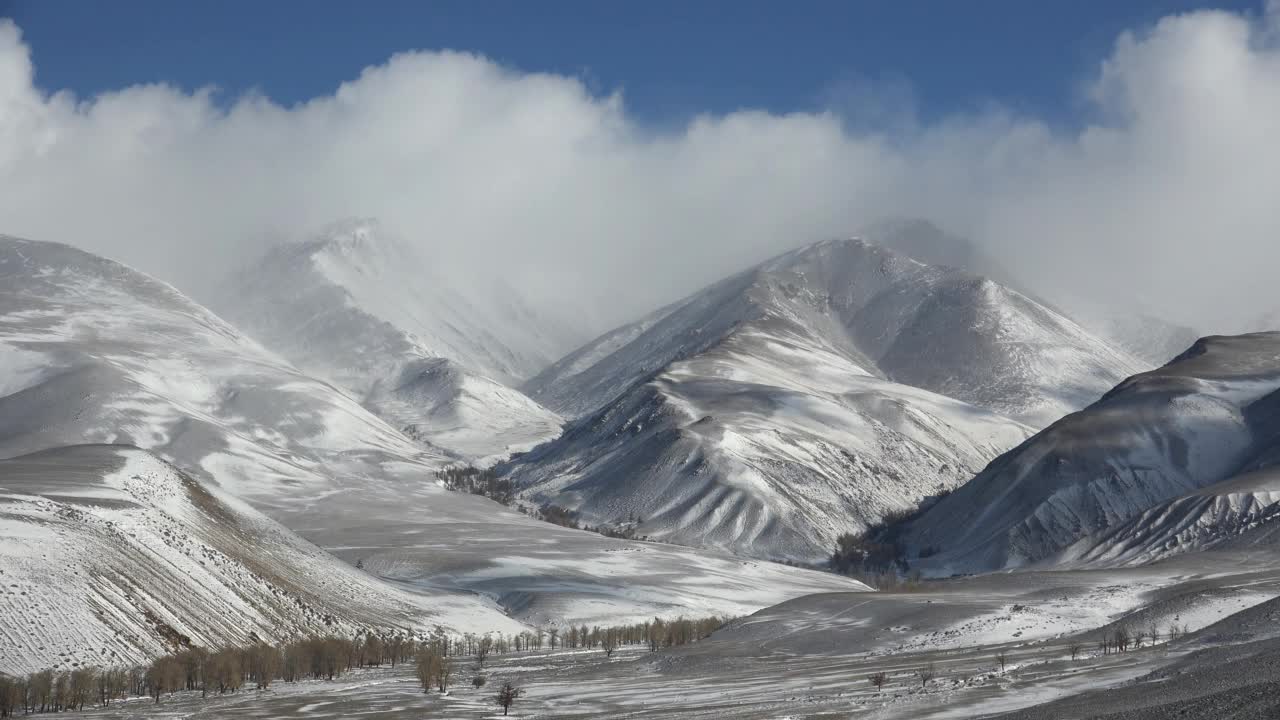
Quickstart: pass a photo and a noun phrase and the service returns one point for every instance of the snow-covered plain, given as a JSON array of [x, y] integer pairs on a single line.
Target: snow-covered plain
[[812, 657]]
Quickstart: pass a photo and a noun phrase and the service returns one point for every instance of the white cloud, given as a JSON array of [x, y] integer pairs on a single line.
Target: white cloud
[[1171, 190]]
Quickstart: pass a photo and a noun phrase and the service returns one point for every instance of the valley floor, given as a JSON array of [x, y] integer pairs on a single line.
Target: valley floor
[[811, 658]]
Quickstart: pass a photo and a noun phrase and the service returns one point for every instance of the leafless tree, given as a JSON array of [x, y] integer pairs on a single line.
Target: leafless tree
[[879, 679], [927, 673], [1076, 648], [507, 696], [483, 648], [425, 669], [444, 671], [1121, 639], [609, 642], [1002, 658]]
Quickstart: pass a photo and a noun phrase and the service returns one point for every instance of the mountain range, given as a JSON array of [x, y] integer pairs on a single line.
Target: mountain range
[[811, 395]]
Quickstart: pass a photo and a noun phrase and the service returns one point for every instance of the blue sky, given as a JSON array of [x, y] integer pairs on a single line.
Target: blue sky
[[671, 59], [1076, 141]]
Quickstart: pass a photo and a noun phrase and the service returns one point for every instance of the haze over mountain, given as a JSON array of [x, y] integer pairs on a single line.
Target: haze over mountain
[[583, 394], [559, 185], [92, 351], [1129, 324], [806, 397], [426, 349], [1189, 443]]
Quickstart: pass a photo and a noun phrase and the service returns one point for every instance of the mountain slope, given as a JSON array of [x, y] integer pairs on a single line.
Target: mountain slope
[[1239, 511], [95, 352], [806, 397], [111, 556], [1131, 326], [731, 450], [379, 319], [937, 328], [1204, 418], [92, 351]]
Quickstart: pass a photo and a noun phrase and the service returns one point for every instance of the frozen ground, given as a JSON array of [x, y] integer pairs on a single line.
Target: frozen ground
[[541, 573], [811, 657]]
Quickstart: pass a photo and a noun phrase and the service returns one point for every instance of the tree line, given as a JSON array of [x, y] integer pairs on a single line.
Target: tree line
[[877, 551], [486, 483], [258, 665]]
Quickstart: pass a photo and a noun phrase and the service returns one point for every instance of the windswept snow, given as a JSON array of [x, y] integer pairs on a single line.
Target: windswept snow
[[431, 352], [99, 353], [109, 556], [807, 397]]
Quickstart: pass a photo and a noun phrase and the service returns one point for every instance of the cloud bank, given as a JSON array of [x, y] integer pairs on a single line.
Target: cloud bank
[[1166, 191]]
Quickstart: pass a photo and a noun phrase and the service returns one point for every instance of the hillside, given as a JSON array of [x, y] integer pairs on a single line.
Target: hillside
[[937, 328], [807, 397], [110, 556], [1175, 432], [92, 351], [417, 345]]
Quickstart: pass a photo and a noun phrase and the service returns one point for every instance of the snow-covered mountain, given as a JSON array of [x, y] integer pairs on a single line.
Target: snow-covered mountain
[[427, 349], [109, 556], [1133, 326], [1173, 444], [92, 351], [937, 328], [1241, 511], [806, 397]]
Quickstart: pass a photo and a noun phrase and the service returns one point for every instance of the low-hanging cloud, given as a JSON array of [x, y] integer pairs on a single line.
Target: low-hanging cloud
[[1167, 193]]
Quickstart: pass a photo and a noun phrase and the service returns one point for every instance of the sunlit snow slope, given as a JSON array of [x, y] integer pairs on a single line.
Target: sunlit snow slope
[[932, 327], [431, 352], [807, 397], [109, 555], [94, 352]]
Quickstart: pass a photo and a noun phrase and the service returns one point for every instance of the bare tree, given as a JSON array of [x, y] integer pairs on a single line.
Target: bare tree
[[444, 671], [1076, 648], [1002, 658], [879, 679], [427, 660], [483, 648], [507, 696], [927, 673], [1122, 639]]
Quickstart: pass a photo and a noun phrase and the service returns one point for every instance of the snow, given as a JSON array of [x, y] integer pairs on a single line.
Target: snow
[[423, 348], [99, 543], [804, 398], [140, 363], [1158, 436]]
